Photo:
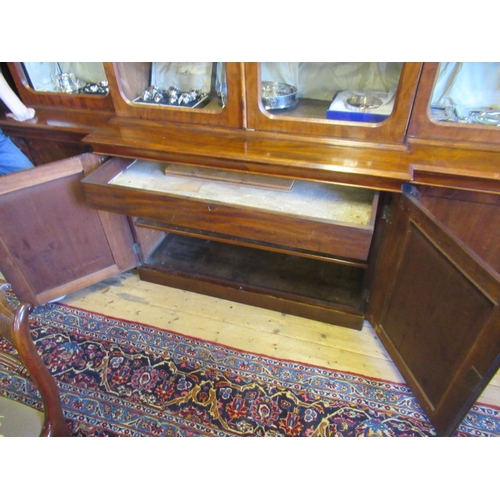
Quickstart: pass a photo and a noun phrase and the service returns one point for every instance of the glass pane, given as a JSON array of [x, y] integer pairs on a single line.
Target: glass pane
[[67, 77], [181, 84], [352, 91], [467, 93]]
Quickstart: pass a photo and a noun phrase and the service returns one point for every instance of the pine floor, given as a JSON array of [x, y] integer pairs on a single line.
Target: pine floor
[[246, 327]]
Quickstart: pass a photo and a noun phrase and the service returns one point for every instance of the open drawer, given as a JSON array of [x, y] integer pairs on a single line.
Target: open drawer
[[292, 246], [317, 220]]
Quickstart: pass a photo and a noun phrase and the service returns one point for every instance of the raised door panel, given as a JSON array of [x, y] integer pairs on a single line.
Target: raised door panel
[[434, 304], [51, 242]]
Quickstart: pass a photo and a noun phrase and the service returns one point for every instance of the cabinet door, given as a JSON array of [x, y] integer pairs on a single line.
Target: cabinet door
[[458, 102], [73, 85], [62, 119], [51, 242], [434, 300], [205, 93], [348, 100]]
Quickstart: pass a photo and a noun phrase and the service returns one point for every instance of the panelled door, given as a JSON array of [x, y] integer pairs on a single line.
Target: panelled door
[[435, 294], [51, 242]]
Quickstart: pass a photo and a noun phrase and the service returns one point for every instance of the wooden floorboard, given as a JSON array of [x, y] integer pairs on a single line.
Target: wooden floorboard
[[246, 327]]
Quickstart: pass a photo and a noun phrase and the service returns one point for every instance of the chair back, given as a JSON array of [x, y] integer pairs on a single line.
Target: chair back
[[15, 328]]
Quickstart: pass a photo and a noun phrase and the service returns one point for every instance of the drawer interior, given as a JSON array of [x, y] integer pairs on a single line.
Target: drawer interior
[[304, 199], [319, 219]]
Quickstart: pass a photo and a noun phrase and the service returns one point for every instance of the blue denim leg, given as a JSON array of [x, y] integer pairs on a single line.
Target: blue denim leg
[[12, 159]]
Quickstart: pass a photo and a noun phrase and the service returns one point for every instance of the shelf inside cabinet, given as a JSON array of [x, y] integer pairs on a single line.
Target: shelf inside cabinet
[[313, 289]]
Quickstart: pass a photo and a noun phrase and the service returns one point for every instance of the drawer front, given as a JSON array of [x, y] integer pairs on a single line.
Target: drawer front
[[228, 219]]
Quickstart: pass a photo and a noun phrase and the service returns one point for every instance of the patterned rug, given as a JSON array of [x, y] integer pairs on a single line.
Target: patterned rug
[[124, 379]]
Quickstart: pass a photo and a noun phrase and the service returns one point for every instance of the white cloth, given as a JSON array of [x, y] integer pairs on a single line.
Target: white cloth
[[470, 85]]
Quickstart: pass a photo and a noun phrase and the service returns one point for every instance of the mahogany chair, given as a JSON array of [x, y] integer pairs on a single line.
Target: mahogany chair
[[18, 419]]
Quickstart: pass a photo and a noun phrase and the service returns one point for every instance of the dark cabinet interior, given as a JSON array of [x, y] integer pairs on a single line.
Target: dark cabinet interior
[[337, 216]]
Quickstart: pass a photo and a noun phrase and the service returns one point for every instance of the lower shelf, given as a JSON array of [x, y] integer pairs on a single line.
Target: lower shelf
[[314, 289]]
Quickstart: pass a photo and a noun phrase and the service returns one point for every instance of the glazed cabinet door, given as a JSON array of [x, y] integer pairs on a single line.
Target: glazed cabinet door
[[435, 294], [458, 103], [75, 85], [204, 93], [70, 100], [51, 242], [369, 102]]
